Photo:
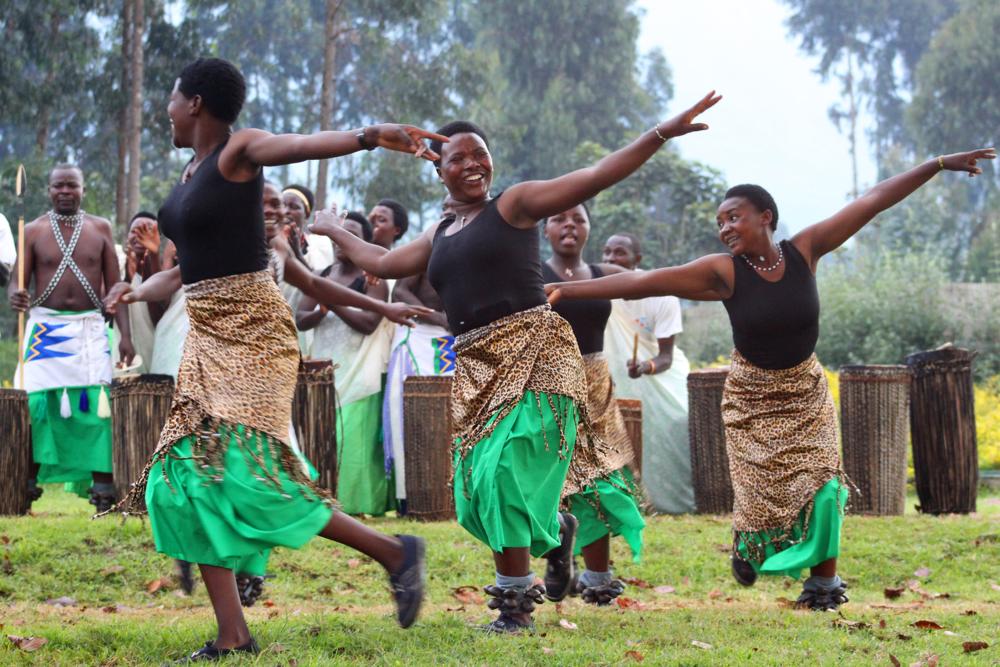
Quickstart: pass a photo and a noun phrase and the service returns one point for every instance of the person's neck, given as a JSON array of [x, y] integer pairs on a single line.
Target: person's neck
[[464, 209], [566, 265], [208, 137], [766, 249]]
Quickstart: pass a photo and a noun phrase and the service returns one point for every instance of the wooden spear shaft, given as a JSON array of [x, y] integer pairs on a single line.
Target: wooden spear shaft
[[19, 192]]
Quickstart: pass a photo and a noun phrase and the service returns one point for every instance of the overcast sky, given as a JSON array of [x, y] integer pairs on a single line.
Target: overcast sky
[[771, 127]]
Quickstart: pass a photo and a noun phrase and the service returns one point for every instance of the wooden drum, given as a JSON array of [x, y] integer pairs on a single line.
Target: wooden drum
[[139, 408], [713, 488], [15, 454], [631, 409], [427, 447], [314, 415]]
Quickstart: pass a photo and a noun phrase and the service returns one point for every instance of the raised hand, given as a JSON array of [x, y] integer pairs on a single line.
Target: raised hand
[[403, 313], [326, 221], [119, 293], [682, 123], [967, 161], [406, 139], [149, 236]]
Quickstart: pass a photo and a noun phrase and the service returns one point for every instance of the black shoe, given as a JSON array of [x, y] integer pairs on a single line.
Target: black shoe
[[821, 598], [559, 570], [185, 575], [209, 652], [505, 624], [408, 581], [250, 588], [515, 605], [102, 496], [743, 572], [603, 595], [34, 491]]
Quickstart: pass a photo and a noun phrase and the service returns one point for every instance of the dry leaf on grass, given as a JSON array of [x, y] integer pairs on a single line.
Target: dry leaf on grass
[[635, 655], [893, 593], [467, 595], [28, 643], [922, 572], [970, 612], [971, 647], [714, 594], [638, 583], [701, 645], [629, 603], [664, 590], [842, 622], [568, 625], [895, 661], [268, 603], [112, 569], [157, 585], [926, 625], [904, 638]]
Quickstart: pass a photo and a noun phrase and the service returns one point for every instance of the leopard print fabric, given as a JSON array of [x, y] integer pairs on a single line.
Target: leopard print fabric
[[239, 367], [533, 350], [608, 425], [782, 441]]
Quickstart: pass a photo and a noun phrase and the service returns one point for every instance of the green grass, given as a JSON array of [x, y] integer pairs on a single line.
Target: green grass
[[327, 605]]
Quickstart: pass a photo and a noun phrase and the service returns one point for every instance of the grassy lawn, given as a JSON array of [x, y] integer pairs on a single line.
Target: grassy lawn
[[328, 605]]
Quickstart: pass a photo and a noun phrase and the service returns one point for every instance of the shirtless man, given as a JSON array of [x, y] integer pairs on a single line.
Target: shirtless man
[[67, 357]]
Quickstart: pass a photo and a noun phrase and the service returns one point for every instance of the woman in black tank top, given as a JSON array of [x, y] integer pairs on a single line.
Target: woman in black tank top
[[518, 385], [606, 504], [781, 424], [232, 403]]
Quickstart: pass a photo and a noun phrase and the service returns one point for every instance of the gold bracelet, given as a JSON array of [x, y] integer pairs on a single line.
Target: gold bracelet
[[941, 162], [652, 367], [656, 129]]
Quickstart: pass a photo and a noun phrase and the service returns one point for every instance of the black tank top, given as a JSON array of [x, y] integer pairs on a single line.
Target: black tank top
[[587, 317], [486, 271], [775, 325], [216, 224]]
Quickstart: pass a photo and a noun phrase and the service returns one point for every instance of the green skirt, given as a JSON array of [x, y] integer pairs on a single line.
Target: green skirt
[[822, 539], [607, 507], [71, 449], [507, 488], [362, 486], [229, 520]]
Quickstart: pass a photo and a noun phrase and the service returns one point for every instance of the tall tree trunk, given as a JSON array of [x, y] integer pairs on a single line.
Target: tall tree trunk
[[852, 117], [134, 133], [329, 83], [121, 179]]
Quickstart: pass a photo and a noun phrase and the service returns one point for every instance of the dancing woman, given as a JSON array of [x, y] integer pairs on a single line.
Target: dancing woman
[[519, 395], [781, 423], [602, 499], [223, 483]]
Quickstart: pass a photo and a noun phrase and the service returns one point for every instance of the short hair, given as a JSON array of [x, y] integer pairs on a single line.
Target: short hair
[[366, 227], [632, 239], [453, 128], [400, 218], [221, 86], [143, 214], [305, 192], [66, 166], [759, 197], [586, 209]]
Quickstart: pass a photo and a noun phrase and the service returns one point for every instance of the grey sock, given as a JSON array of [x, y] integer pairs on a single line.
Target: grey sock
[[505, 582], [817, 584], [591, 579]]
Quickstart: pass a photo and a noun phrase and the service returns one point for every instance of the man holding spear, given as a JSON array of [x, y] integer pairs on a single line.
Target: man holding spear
[[65, 360]]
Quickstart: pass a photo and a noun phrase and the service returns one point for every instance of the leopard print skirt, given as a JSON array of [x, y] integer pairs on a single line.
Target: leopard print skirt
[[533, 350], [239, 368], [783, 446]]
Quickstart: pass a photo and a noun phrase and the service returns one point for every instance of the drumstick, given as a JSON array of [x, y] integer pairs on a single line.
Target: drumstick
[[635, 349], [19, 193]]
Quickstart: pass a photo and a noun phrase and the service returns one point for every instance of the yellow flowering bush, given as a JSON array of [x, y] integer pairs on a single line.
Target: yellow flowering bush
[[987, 397]]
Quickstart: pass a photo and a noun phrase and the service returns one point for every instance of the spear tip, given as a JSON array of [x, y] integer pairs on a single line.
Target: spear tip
[[19, 181]]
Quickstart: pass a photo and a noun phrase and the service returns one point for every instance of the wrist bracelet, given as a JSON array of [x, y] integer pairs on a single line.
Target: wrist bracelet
[[656, 130], [363, 140], [652, 367], [941, 162]]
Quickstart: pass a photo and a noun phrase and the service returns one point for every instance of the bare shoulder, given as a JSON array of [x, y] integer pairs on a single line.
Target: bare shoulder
[[102, 224]]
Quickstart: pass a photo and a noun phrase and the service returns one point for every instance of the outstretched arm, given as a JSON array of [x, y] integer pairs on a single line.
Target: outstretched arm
[[708, 278], [823, 237], [158, 288], [526, 203], [407, 260]]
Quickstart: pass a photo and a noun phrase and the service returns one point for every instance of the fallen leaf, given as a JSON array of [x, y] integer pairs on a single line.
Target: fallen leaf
[[664, 590], [112, 569], [268, 603], [969, 612], [4, 539], [110, 609], [629, 603], [701, 645], [273, 613], [461, 608], [881, 623], [635, 655], [468, 595], [970, 647], [903, 637], [849, 624], [926, 625], [785, 602], [922, 572], [157, 585], [638, 583], [28, 643], [714, 594], [893, 593], [61, 602], [353, 563], [895, 661], [568, 625]]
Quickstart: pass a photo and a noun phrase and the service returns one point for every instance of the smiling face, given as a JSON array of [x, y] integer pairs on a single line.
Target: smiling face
[[466, 167], [181, 120], [618, 250], [741, 225], [274, 210], [384, 229], [66, 190], [568, 231]]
